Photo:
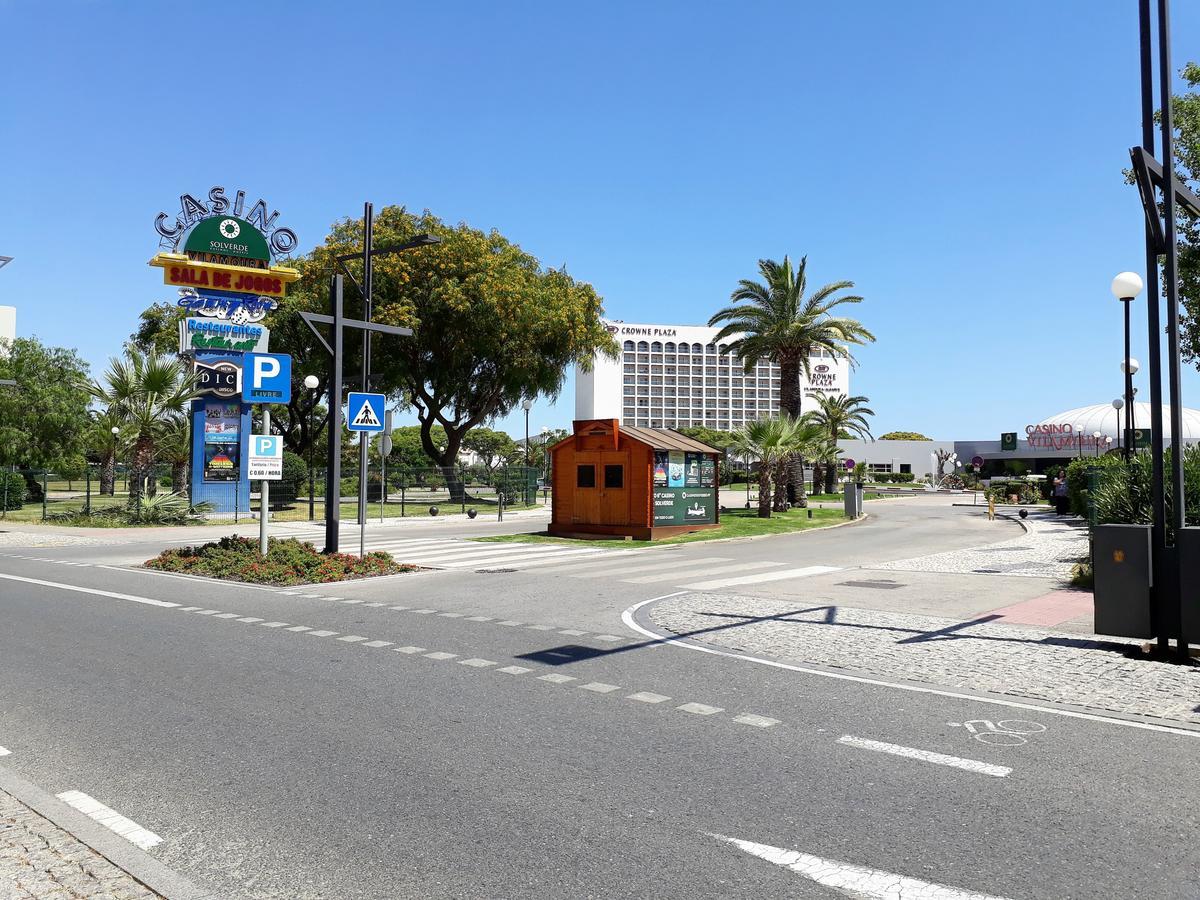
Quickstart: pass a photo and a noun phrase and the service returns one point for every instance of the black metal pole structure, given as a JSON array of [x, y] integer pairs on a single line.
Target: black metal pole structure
[[312, 439], [333, 471], [1171, 283], [1158, 598], [363, 439]]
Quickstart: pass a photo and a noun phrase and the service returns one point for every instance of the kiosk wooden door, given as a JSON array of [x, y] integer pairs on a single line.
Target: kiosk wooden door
[[601, 488]]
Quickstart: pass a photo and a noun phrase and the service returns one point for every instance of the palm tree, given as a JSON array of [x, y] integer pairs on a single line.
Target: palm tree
[[771, 442], [175, 448], [107, 445], [774, 320], [840, 414], [148, 395]]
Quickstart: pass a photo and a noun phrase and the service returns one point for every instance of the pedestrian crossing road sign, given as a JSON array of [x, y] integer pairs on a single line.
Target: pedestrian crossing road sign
[[364, 412]]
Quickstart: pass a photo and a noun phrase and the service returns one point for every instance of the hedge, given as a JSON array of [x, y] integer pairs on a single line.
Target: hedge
[[15, 496]]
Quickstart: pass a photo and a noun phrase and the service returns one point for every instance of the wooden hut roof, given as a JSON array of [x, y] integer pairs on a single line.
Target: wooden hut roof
[[666, 439]]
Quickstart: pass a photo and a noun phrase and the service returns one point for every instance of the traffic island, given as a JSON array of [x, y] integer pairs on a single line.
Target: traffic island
[[286, 562]]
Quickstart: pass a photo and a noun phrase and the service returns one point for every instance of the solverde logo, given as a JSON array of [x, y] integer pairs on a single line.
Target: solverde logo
[[229, 228]]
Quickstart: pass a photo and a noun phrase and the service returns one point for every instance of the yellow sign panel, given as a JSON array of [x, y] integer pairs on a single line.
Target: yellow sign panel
[[180, 271]]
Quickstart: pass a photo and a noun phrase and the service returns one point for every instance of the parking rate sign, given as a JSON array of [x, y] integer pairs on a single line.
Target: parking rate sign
[[267, 378], [266, 458], [364, 412]]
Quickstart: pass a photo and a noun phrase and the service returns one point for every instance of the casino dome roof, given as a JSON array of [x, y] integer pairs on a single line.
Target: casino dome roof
[[1103, 418]]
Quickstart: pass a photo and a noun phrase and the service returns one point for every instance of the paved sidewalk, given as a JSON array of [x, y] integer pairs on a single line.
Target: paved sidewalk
[[1049, 549], [977, 655], [40, 860]]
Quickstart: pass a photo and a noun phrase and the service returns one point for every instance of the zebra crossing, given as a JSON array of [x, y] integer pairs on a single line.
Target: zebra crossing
[[644, 566]]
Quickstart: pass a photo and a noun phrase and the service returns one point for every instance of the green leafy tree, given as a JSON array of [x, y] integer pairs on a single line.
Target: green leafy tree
[[105, 446], [718, 440], [44, 419], [776, 319], [407, 450], [492, 447], [175, 449], [840, 414], [903, 436], [148, 395], [490, 325]]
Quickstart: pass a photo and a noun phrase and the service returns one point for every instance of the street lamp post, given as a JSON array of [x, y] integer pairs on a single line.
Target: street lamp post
[[311, 382], [1125, 287], [1117, 406], [526, 404], [1096, 435]]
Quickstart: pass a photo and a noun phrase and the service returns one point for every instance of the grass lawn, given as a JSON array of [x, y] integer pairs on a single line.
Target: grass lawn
[[734, 524]]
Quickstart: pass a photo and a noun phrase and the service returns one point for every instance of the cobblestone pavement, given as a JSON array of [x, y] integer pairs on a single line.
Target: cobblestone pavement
[[998, 659], [1049, 549], [32, 539], [40, 860]]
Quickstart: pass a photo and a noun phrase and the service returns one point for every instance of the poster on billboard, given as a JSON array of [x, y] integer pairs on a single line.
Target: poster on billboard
[[675, 463], [660, 468], [222, 441]]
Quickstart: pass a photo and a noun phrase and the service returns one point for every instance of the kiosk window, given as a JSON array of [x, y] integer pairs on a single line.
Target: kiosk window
[[614, 476], [585, 476]]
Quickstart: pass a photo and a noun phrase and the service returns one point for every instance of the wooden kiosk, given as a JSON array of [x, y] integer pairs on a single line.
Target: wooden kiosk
[[646, 483]]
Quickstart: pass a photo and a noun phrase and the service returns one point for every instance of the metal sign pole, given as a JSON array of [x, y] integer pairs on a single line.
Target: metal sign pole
[[264, 492], [333, 469], [362, 493]]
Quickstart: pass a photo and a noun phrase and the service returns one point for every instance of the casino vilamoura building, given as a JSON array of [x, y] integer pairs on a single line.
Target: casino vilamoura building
[[675, 376]]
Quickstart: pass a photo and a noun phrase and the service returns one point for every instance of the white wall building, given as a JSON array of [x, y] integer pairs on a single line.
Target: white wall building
[[8, 323], [674, 376]]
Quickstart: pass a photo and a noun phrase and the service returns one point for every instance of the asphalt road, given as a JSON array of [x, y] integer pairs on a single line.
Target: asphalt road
[[282, 764]]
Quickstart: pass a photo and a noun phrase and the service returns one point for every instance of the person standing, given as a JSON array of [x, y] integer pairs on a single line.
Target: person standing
[[1060, 492]]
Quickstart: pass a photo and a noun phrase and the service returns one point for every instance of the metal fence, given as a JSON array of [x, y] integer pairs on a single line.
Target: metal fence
[[38, 494]]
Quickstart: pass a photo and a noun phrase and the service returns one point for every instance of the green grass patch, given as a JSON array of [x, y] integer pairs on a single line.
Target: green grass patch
[[734, 524], [288, 561]]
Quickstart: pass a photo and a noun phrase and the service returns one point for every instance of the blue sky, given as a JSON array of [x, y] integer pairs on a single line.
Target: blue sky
[[959, 161]]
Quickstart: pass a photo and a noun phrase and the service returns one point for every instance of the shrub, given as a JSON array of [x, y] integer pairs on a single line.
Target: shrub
[[12, 490], [288, 561], [893, 477], [1077, 479], [160, 509], [1025, 491]]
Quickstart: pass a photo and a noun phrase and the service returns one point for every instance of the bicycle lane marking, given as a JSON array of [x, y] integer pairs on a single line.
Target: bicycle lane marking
[[630, 620]]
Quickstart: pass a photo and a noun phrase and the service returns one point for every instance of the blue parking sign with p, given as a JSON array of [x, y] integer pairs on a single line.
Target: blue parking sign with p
[[267, 378]]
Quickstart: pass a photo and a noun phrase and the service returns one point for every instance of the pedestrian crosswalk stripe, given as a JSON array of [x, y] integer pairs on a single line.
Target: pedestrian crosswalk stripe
[[602, 558], [492, 557], [554, 560], [715, 570], [508, 560], [477, 550], [621, 568], [805, 572]]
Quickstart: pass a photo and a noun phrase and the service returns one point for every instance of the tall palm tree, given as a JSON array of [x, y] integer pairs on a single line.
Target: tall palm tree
[[107, 445], [175, 448], [771, 442], [774, 319], [148, 395], [840, 414]]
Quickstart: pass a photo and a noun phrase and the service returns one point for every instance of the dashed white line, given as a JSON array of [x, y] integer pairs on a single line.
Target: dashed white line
[[941, 759], [514, 670], [476, 663], [95, 591], [410, 650], [803, 572], [755, 720], [273, 624], [378, 644], [249, 620], [699, 709], [648, 697], [599, 687], [322, 633], [225, 616], [4, 751], [439, 654], [126, 828], [299, 628], [555, 678], [352, 638]]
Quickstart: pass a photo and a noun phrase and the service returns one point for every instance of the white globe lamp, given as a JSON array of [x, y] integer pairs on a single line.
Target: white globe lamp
[[1127, 285]]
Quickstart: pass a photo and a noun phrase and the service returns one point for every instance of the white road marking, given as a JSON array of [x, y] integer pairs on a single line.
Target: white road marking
[[399, 607], [599, 687], [855, 881], [207, 612], [574, 632], [511, 623], [225, 616], [755, 720], [438, 654], [540, 627], [715, 570], [410, 649], [514, 670], [603, 558], [351, 602], [804, 572], [628, 618], [4, 751], [374, 604], [656, 566], [700, 709], [378, 644], [648, 697], [554, 560], [126, 828], [941, 759], [352, 638], [424, 612], [555, 678], [322, 633], [450, 615], [611, 638], [476, 663], [477, 618], [188, 608], [95, 591], [249, 620], [299, 628], [273, 624]]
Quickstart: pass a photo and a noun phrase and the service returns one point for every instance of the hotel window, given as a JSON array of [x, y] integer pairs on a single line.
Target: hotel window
[[643, 347], [629, 346], [656, 347]]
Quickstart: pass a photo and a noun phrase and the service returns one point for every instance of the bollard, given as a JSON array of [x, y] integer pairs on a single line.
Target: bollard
[[87, 472], [44, 493]]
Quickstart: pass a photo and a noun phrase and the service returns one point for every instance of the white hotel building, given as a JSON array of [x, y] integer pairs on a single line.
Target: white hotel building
[[674, 376]]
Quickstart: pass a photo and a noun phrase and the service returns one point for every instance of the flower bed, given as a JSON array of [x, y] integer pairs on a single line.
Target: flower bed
[[288, 561]]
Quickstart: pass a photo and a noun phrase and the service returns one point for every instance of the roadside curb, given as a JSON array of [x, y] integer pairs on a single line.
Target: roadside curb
[[138, 864]]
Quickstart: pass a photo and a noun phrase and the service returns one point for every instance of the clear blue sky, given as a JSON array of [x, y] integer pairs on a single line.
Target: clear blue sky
[[959, 161]]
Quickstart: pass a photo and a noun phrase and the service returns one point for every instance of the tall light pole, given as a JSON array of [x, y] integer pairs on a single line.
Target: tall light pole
[[1125, 287], [1118, 405], [527, 405], [1096, 435], [311, 382]]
